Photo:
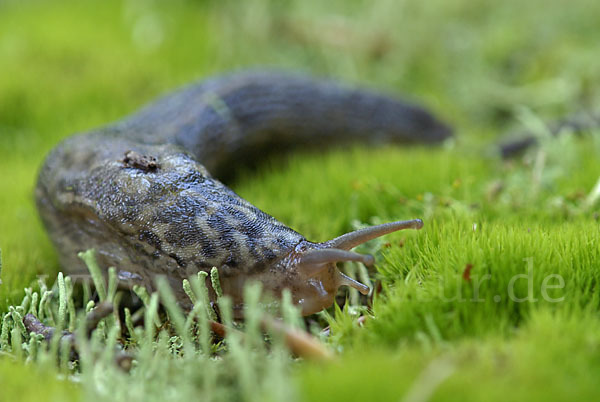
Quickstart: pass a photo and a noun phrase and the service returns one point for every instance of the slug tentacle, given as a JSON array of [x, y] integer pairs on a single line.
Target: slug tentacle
[[315, 258], [347, 281], [350, 240], [315, 264]]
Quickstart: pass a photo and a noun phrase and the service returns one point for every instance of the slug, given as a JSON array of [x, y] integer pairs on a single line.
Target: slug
[[139, 191]]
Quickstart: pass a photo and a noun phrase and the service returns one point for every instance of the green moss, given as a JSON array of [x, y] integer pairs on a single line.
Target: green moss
[[553, 357]]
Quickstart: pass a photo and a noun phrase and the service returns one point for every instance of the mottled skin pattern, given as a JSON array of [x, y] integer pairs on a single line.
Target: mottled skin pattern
[[171, 217]]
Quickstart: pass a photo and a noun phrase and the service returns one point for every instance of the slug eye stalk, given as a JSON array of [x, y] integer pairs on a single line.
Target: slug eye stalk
[[350, 240]]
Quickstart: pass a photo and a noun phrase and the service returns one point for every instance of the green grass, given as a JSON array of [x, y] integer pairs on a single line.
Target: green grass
[[486, 67]]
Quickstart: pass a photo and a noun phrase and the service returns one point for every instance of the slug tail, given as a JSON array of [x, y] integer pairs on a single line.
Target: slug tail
[[233, 122]]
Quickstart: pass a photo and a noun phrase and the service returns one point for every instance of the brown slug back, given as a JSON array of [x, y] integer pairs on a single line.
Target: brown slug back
[[137, 192]]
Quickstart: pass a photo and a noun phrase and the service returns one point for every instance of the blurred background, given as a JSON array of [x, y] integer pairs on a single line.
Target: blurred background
[[69, 66]]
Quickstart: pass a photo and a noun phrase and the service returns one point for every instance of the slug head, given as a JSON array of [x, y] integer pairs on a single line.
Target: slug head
[[310, 269]]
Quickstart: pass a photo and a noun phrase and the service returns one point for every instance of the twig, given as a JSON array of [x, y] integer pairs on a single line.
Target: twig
[[93, 318], [122, 359], [300, 343]]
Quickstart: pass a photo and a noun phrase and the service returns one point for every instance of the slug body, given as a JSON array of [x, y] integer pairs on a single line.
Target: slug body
[[140, 192]]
